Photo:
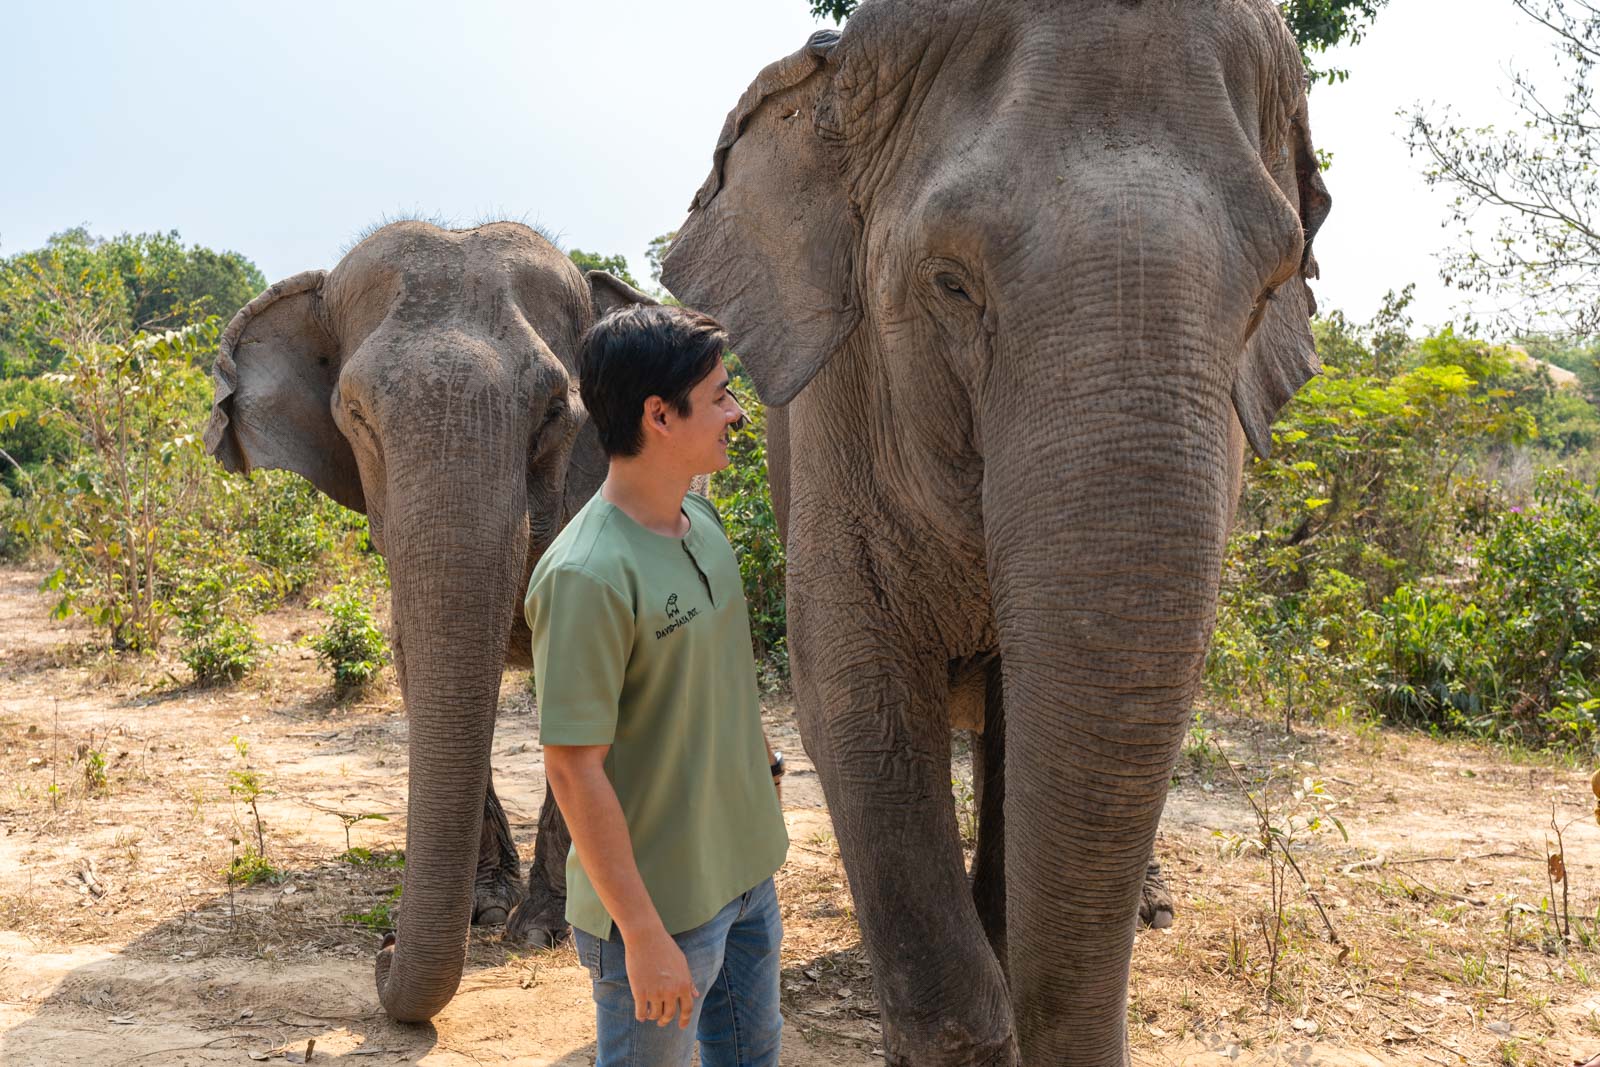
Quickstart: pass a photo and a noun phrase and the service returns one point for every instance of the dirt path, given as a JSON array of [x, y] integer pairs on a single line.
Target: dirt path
[[120, 942]]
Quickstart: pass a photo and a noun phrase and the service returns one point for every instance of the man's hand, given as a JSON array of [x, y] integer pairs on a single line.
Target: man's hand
[[658, 975]]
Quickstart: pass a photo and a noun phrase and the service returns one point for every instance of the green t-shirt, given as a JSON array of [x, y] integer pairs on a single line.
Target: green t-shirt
[[642, 642]]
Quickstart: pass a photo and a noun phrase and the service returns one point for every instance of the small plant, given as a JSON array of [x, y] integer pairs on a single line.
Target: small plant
[[223, 653], [1308, 810], [248, 786], [381, 916], [365, 857], [351, 645], [251, 868], [94, 772]]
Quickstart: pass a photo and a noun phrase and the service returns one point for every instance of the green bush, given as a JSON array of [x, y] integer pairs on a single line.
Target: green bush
[[28, 436], [1377, 562], [224, 652], [1508, 652], [17, 539], [1429, 660], [287, 526], [117, 514], [351, 645], [744, 499]]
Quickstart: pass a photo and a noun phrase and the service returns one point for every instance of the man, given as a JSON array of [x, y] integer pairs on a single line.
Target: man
[[649, 715]]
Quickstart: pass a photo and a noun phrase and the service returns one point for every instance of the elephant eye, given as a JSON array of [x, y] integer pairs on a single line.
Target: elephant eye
[[553, 410], [952, 285]]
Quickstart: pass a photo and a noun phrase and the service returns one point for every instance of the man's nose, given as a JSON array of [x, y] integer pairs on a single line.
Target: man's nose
[[740, 419]]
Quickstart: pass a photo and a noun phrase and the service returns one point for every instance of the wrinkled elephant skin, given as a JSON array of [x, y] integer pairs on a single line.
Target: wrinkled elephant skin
[[427, 380], [1023, 278]]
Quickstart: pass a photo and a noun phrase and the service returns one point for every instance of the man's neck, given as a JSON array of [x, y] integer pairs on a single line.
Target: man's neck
[[649, 496]]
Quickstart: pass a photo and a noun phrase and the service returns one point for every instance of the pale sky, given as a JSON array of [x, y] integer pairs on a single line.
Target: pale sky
[[281, 130]]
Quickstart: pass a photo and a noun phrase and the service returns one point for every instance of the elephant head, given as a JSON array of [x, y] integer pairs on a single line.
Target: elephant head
[[1044, 265], [427, 381]]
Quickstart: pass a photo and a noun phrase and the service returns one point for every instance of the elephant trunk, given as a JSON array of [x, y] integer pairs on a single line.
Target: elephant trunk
[[1103, 619], [455, 551]]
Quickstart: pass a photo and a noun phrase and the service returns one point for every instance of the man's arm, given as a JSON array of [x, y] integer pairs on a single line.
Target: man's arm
[[658, 973]]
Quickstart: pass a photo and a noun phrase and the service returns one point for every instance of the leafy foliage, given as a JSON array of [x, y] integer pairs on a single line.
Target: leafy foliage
[[110, 511], [223, 652], [744, 499], [616, 266], [1384, 559], [351, 645], [148, 282]]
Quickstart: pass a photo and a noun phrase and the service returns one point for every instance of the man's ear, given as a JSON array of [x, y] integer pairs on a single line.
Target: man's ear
[[273, 392]]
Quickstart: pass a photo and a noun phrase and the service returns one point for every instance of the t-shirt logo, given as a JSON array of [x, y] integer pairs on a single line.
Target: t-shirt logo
[[676, 617]]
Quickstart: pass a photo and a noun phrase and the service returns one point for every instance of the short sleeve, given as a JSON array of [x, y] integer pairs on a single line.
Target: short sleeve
[[582, 636], [708, 508]]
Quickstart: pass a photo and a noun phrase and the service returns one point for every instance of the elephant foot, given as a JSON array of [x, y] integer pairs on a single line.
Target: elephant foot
[[1005, 1054], [538, 922], [495, 894], [1155, 903]]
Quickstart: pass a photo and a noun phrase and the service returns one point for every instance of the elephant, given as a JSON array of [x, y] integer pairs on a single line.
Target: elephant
[[428, 381], [1021, 279]]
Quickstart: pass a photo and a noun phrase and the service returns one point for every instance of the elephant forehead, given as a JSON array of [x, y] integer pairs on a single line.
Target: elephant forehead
[[923, 81], [503, 282]]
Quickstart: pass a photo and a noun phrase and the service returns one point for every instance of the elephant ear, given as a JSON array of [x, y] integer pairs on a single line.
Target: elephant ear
[[608, 293], [768, 243], [1281, 356], [273, 384]]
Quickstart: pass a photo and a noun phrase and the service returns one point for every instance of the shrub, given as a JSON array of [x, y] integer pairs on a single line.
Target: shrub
[[251, 868], [224, 653], [287, 526], [351, 645], [744, 499], [116, 514], [16, 527], [1430, 665]]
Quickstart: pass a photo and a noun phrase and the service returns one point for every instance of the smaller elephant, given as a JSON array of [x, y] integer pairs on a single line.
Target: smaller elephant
[[427, 380]]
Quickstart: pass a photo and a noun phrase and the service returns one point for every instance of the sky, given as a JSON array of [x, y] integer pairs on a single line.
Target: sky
[[281, 131]]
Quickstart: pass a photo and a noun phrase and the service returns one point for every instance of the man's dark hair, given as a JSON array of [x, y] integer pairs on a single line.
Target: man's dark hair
[[640, 351]]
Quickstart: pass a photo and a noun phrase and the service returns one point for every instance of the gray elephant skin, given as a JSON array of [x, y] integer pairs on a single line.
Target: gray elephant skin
[[427, 380], [1022, 278]]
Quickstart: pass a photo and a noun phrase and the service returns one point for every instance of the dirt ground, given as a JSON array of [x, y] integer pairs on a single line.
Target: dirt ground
[[121, 942]]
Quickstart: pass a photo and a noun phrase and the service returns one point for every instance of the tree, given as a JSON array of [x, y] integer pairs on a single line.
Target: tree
[[138, 282], [1536, 185], [1317, 24], [657, 251], [616, 266]]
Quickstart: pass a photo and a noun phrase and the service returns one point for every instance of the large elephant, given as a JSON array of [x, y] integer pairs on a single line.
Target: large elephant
[[427, 380], [1022, 277]]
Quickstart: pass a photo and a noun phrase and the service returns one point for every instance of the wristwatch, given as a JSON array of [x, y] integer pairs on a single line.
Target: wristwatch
[[777, 765]]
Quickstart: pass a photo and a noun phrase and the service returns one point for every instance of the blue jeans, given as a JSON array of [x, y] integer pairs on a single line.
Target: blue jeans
[[734, 962]]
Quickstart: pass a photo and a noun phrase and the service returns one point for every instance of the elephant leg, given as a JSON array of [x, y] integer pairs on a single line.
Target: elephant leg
[[1155, 903], [875, 722], [497, 886], [540, 921], [988, 782]]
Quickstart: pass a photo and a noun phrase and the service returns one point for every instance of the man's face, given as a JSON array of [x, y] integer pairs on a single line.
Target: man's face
[[703, 433]]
